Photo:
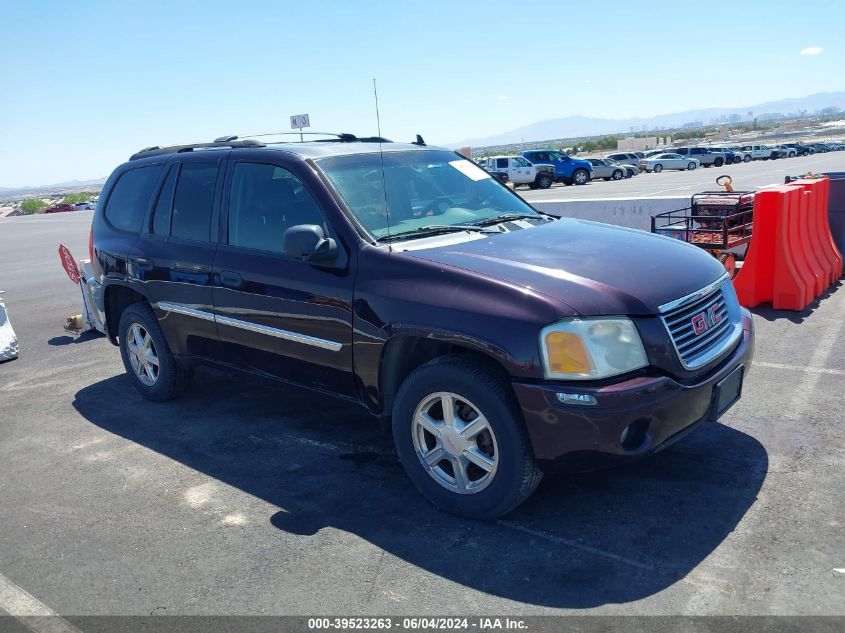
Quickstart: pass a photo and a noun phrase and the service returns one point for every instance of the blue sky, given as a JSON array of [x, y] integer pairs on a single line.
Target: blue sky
[[84, 84]]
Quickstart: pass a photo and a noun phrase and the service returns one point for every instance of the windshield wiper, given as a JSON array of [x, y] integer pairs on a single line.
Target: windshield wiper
[[435, 229], [508, 217]]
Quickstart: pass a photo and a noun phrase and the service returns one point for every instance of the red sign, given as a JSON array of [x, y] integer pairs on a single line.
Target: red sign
[[69, 264]]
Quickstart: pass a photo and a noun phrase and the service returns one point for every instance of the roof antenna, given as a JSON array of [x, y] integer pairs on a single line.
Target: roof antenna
[[419, 140], [381, 156]]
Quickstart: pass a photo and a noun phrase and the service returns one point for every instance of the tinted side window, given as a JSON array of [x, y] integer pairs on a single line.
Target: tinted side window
[[129, 199], [501, 163], [161, 214], [264, 202], [192, 202]]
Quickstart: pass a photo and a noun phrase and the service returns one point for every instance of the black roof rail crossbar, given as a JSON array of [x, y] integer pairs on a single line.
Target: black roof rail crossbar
[[343, 137], [175, 149]]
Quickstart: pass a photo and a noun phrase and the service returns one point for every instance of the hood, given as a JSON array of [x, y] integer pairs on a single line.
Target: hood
[[595, 269], [582, 163]]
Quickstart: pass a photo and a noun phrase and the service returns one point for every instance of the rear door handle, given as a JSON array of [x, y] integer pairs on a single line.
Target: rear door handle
[[231, 278], [142, 263]]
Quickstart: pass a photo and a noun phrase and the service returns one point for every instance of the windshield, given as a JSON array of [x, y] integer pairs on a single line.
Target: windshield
[[422, 189]]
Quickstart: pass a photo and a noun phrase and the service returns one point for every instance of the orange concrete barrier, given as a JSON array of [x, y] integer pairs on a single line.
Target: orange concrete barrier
[[828, 254], [792, 257], [807, 232]]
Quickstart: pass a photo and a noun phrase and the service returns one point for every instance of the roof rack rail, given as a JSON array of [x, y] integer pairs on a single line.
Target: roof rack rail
[[220, 143], [343, 137]]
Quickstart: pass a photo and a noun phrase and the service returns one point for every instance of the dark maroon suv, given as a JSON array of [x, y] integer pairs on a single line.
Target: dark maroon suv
[[498, 341]]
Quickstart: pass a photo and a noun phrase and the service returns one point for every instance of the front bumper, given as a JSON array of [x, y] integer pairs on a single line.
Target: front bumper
[[655, 410]]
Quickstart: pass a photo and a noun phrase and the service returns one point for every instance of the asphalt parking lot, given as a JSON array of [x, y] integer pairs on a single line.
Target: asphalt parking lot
[[746, 176], [253, 498]]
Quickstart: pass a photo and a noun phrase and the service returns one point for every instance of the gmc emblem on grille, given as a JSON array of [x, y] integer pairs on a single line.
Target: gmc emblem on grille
[[703, 321]]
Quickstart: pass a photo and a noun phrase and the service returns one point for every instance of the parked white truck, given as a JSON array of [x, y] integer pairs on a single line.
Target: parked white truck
[[760, 152], [521, 171]]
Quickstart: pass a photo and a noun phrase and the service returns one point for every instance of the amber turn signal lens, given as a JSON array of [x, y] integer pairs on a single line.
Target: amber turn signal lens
[[567, 353]]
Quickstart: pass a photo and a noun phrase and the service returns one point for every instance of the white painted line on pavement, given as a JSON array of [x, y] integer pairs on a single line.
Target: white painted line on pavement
[[812, 370], [33, 614], [826, 336], [574, 544]]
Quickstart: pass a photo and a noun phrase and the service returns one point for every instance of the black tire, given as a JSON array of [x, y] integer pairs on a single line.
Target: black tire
[[706, 165], [691, 166], [516, 475], [737, 160], [618, 175], [567, 182], [629, 173], [657, 168], [746, 158], [544, 181], [606, 179], [580, 177], [171, 379], [719, 161]]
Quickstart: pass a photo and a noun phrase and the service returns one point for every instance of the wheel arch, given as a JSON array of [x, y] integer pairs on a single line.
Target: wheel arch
[[117, 297], [404, 353]]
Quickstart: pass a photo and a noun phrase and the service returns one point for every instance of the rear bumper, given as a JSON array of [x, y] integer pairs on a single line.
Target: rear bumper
[[657, 410]]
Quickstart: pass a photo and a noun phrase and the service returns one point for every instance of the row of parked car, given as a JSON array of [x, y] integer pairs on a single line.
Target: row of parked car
[[688, 158], [541, 168], [65, 207]]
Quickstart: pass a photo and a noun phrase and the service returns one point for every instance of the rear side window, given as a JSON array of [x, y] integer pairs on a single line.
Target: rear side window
[[501, 163], [130, 197], [191, 216]]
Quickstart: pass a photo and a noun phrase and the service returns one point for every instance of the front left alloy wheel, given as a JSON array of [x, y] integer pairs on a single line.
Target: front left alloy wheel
[[460, 437]]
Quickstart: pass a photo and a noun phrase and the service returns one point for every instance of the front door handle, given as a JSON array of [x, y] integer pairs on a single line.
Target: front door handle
[[192, 268], [231, 278], [142, 263]]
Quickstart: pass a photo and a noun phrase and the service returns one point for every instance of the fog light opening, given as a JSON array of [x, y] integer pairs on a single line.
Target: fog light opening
[[635, 434]]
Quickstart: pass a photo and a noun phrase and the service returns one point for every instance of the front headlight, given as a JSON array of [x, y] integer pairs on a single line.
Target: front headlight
[[591, 348]]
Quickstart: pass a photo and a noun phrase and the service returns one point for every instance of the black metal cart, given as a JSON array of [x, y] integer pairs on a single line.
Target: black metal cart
[[720, 222]]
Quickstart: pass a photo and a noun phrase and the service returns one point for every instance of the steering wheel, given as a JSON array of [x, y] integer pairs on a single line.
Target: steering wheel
[[434, 206]]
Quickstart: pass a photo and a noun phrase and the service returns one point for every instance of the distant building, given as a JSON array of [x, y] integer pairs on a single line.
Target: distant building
[[635, 144]]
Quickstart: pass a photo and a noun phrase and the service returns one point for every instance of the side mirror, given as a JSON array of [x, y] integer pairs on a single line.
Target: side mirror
[[307, 242]]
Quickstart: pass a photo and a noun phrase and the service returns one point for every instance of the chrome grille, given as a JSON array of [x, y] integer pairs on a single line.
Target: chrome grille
[[695, 350]]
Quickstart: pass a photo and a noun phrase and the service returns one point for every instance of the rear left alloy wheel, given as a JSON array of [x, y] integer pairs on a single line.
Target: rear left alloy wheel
[[146, 355], [618, 175], [460, 437]]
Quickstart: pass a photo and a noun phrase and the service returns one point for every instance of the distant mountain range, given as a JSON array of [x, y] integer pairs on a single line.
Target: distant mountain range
[[581, 126], [76, 185]]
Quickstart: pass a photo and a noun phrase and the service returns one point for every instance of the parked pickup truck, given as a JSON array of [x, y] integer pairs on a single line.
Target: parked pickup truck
[[568, 170], [521, 171], [760, 152], [497, 342]]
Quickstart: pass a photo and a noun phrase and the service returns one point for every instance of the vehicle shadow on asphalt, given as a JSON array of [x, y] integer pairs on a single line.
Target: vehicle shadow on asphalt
[[581, 541], [766, 311], [72, 339]]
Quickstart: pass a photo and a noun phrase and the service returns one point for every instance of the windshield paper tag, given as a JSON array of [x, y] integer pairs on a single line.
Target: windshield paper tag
[[470, 170]]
